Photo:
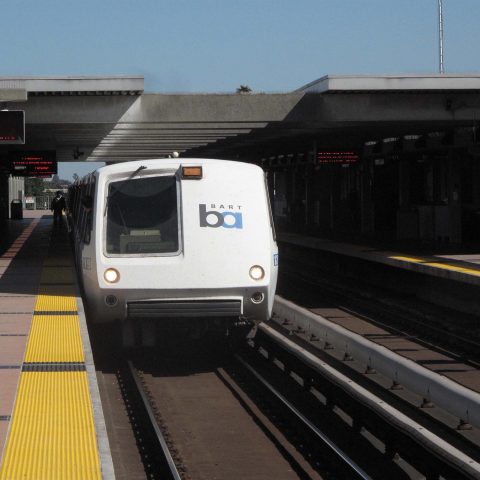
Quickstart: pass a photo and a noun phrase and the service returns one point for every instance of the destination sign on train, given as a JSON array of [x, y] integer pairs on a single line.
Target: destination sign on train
[[12, 127], [337, 157], [33, 164]]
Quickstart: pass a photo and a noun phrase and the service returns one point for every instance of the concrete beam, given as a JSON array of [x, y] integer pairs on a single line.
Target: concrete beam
[[13, 95], [378, 83], [216, 108], [75, 85]]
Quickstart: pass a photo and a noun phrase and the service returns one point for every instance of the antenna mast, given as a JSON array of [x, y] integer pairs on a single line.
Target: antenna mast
[[440, 36]]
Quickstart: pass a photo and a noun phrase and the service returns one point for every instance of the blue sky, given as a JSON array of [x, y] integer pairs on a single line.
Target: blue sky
[[216, 45]]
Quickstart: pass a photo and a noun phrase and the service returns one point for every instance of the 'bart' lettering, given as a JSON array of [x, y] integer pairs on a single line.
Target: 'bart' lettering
[[217, 219]]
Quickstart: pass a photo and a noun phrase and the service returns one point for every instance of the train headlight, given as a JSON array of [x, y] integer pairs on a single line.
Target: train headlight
[[111, 275], [257, 272]]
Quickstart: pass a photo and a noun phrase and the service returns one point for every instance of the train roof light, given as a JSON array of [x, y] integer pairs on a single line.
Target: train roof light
[[192, 173]]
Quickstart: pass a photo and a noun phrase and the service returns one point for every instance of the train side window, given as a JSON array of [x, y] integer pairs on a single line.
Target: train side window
[[87, 205]]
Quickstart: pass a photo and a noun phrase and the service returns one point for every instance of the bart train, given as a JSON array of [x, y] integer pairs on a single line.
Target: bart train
[[166, 243]]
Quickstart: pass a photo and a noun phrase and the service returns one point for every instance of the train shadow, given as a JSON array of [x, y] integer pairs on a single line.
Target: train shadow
[[172, 354], [182, 357]]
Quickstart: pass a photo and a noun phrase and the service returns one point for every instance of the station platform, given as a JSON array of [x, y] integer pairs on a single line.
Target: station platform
[[460, 266], [51, 418]]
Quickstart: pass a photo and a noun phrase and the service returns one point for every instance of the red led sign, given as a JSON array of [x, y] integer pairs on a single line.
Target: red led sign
[[33, 164], [12, 127], [337, 157]]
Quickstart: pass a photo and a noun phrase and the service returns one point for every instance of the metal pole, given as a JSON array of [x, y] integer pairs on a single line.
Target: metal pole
[[440, 36]]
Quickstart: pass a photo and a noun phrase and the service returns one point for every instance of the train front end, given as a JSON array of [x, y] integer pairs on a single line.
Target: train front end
[[187, 243]]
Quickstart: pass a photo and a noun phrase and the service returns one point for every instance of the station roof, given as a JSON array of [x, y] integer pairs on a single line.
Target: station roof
[[82, 85], [394, 83], [112, 119]]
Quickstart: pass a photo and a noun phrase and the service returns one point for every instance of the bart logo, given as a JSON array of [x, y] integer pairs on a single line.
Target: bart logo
[[218, 218]]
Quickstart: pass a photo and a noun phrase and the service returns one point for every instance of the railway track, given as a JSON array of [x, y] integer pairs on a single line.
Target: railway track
[[218, 416], [214, 424], [420, 445], [435, 327], [269, 412], [162, 450], [431, 337]]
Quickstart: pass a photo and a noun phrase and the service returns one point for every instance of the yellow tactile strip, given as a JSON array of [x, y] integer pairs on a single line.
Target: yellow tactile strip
[[52, 431], [436, 264], [55, 338], [52, 435], [56, 298]]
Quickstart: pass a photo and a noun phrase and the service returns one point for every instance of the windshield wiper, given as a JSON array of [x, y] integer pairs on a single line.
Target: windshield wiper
[[109, 197]]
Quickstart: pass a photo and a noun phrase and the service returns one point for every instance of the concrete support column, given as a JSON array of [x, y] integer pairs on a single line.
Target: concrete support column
[[367, 212], [454, 197], [407, 214], [296, 198], [290, 195], [16, 189], [309, 196], [403, 183], [280, 199], [331, 198], [4, 206]]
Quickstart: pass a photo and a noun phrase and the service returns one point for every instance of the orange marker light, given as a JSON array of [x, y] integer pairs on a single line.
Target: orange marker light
[[194, 173]]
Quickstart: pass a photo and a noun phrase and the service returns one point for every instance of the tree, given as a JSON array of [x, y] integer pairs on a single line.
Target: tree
[[58, 182], [244, 89], [34, 186]]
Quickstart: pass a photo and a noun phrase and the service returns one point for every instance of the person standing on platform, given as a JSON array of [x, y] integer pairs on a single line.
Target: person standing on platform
[[57, 206]]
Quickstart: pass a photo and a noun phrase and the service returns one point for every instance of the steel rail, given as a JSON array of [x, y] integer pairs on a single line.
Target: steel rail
[[417, 322], [441, 448], [339, 453], [440, 390], [471, 343], [151, 416]]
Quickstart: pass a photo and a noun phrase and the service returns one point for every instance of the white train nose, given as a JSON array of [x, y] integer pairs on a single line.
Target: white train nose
[[175, 241]]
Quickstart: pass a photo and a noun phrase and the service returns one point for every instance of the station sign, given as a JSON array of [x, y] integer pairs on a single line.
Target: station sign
[[338, 157], [12, 127], [33, 164]]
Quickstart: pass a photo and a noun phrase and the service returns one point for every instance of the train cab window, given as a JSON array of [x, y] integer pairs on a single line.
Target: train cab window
[[142, 216]]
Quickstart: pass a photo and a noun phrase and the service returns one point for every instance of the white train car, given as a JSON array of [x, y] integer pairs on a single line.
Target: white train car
[[170, 242]]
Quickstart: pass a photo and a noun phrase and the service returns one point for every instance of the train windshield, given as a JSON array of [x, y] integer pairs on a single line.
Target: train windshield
[[142, 216]]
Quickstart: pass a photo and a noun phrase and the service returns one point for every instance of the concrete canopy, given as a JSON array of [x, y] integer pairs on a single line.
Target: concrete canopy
[[111, 119], [70, 115]]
